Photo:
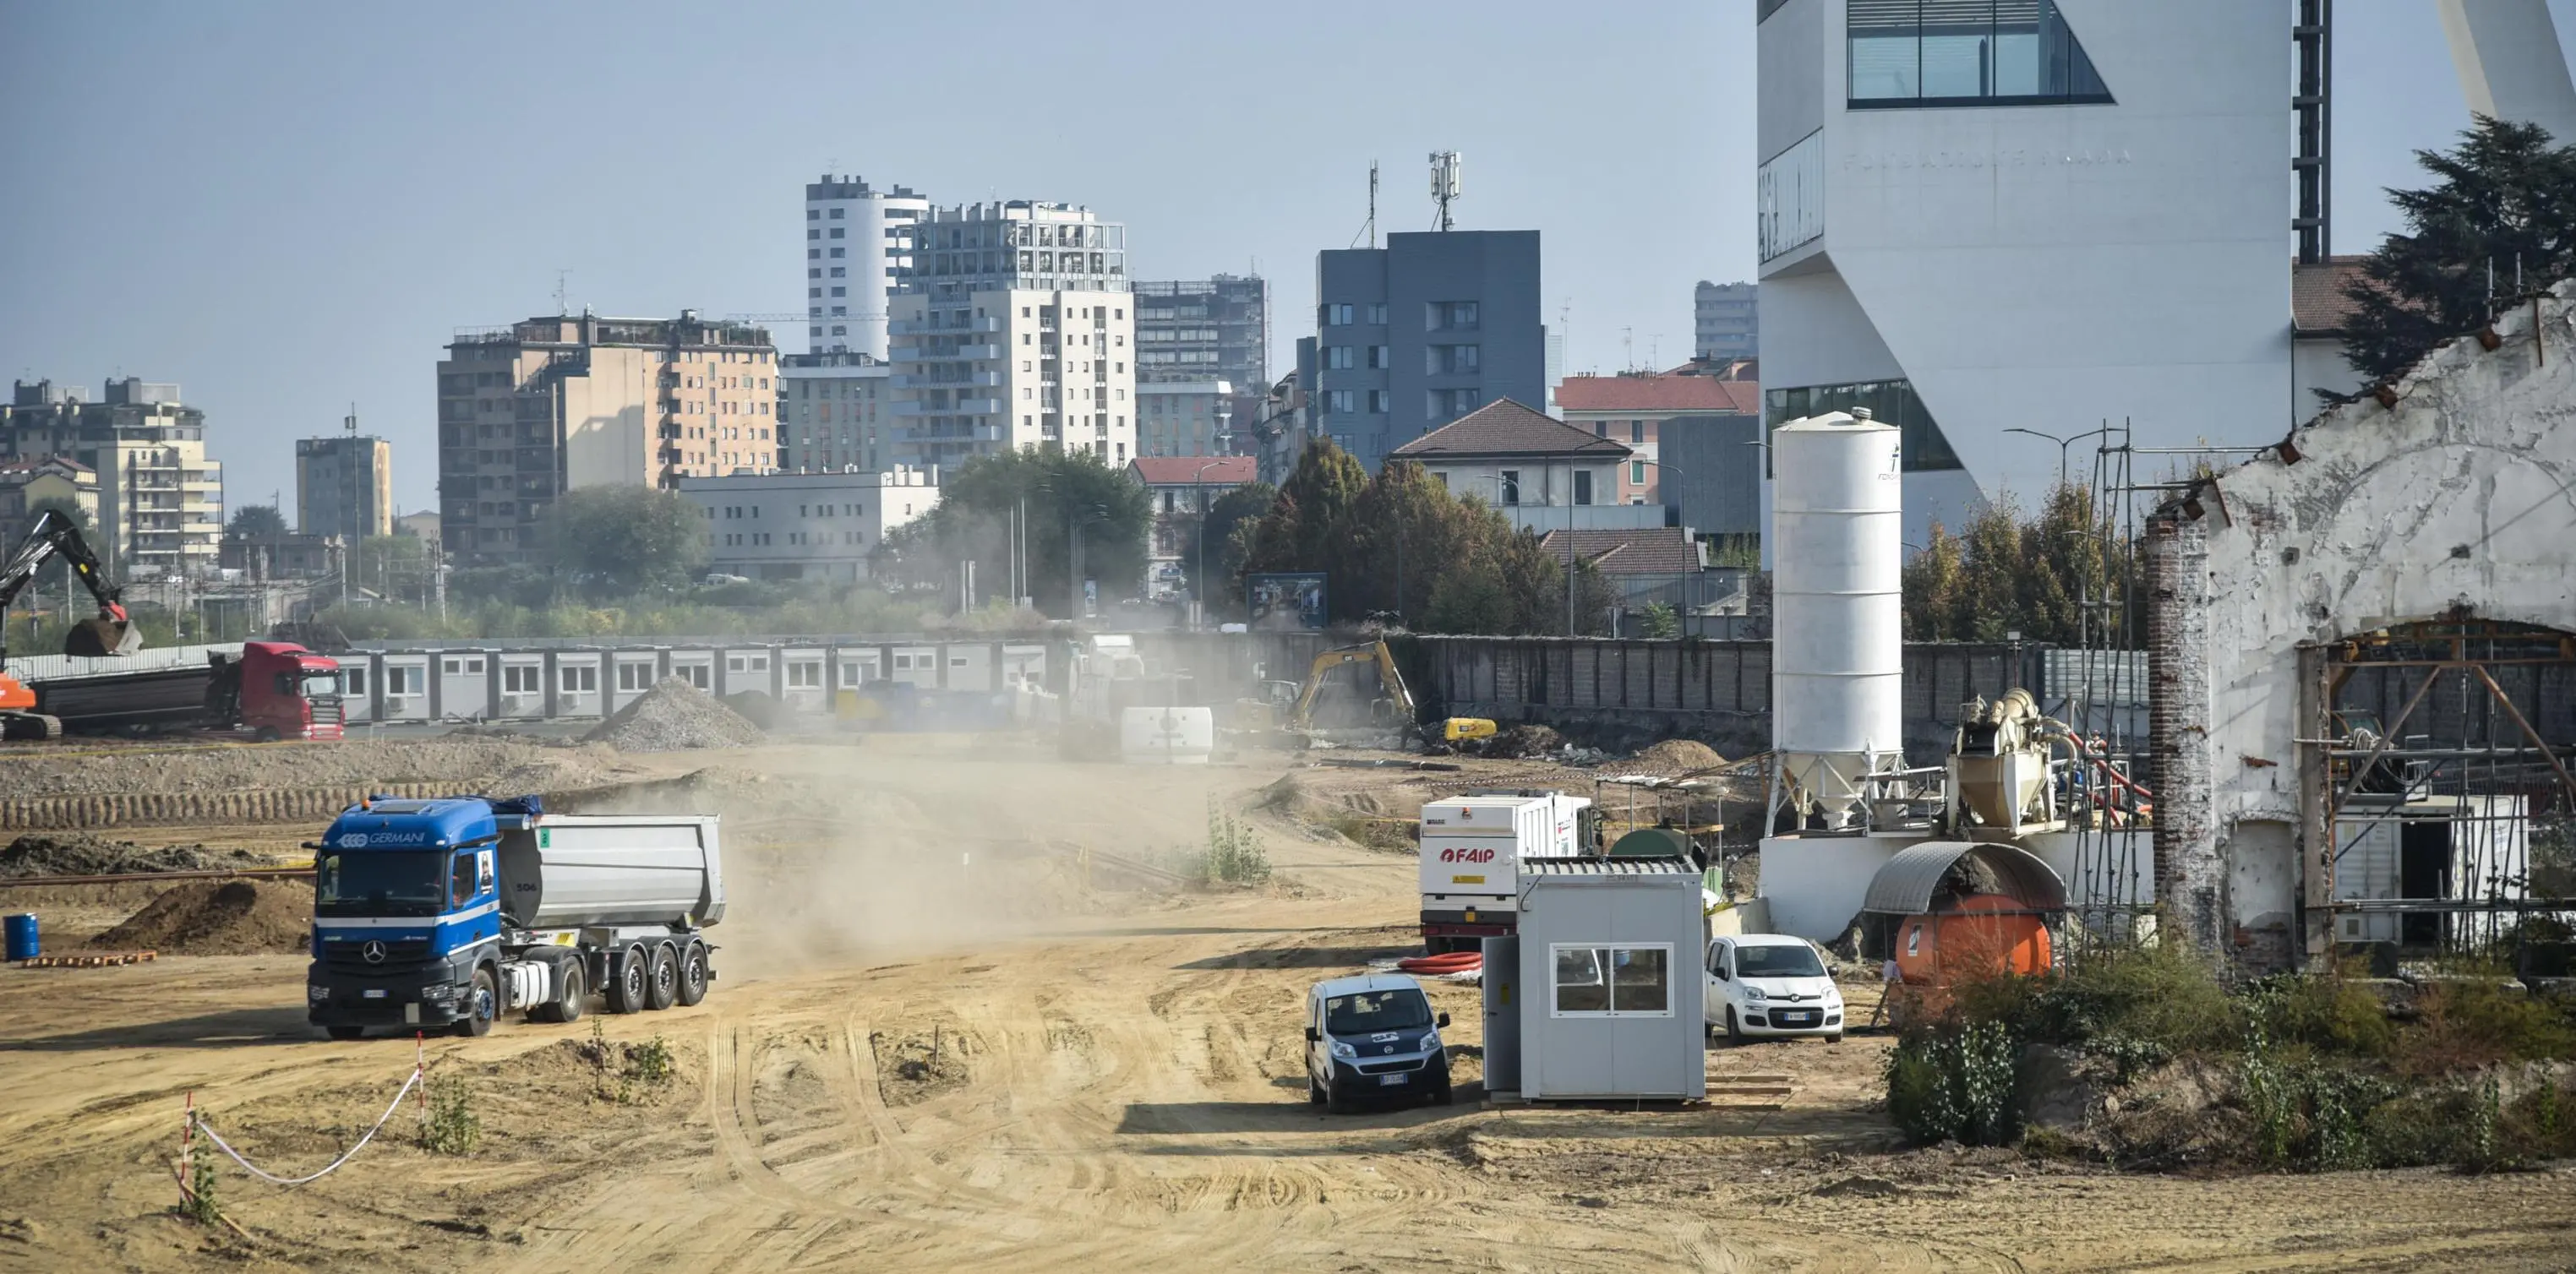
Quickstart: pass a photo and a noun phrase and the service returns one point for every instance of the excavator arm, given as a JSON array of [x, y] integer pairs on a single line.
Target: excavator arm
[[1393, 703], [53, 535]]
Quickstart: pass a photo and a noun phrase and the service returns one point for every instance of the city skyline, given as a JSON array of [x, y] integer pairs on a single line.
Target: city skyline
[[311, 236]]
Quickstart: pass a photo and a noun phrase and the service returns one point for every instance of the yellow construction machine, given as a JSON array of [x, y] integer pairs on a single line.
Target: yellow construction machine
[[1353, 692]]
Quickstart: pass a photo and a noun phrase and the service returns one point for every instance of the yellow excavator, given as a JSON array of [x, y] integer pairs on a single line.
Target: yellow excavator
[[1341, 699]]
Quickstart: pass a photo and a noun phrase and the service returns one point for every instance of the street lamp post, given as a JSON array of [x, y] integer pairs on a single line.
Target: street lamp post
[[1688, 600], [1198, 580], [2062, 444]]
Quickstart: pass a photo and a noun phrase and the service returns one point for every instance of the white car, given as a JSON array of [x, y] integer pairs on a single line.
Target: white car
[[1762, 984]]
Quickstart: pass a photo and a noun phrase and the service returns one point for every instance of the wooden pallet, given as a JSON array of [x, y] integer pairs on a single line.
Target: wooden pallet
[[89, 961]]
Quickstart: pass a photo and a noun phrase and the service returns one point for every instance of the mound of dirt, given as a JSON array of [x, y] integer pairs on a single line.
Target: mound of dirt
[[466, 761], [1679, 756], [219, 917], [675, 717], [73, 854]]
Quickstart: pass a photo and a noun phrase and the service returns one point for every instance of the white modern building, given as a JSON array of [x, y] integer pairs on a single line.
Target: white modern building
[[805, 525], [1978, 217], [858, 251], [833, 410]]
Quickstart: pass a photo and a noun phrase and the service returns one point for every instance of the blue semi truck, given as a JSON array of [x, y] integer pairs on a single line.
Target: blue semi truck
[[452, 911]]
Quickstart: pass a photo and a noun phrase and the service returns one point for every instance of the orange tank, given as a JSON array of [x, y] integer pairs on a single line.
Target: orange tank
[[1984, 933]]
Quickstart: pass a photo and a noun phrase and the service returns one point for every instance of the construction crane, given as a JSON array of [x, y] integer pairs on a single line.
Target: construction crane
[[111, 633]]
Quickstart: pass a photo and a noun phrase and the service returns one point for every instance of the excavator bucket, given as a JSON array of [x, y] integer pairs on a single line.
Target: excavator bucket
[[97, 637]]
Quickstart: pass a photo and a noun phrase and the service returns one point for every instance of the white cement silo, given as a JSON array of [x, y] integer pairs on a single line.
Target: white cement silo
[[1837, 646]]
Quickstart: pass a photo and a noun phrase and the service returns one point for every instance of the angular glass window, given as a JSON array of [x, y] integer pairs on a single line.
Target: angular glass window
[[1965, 53]]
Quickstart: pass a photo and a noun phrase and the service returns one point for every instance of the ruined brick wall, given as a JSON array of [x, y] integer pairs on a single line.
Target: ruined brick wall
[[2189, 871]]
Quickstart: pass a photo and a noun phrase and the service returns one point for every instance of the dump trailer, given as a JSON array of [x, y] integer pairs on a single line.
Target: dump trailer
[[272, 689], [450, 912]]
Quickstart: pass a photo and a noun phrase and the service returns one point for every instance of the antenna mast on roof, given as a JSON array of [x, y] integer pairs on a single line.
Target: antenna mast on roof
[[1445, 186], [1368, 229], [561, 307]]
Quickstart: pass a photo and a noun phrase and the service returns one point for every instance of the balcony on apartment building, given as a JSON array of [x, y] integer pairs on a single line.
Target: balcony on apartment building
[[935, 323], [934, 381], [938, 354]]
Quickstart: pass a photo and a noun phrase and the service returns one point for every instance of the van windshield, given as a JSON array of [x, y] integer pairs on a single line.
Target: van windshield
[[1368, 1012], [380, 882], [1778, 962]]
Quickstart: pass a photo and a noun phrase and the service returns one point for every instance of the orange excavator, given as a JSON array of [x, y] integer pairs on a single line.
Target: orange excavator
[[112, 632]]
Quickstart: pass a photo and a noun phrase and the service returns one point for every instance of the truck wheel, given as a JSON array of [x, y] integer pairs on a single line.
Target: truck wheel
[[345, 1032], [482, 1004], [693, 973], [626, 984], [661, 977], [570, 990], [265, 734]]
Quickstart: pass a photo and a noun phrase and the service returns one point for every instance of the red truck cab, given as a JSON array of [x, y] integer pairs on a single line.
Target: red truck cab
[[288, 692]]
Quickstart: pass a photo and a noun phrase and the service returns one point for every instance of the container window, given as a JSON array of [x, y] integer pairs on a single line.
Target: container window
[[1633, 980]]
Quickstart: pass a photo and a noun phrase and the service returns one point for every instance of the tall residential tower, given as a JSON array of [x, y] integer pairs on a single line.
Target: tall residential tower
[[858, 251]]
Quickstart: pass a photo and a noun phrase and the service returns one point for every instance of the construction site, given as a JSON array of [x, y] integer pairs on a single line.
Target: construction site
[[1026, 992]]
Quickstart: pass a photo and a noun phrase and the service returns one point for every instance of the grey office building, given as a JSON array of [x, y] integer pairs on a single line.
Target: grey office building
[[1722, 319], [1207, 329], [1416, 334]]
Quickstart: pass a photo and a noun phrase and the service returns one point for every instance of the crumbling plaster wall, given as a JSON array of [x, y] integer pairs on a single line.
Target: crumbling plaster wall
[[2459, 496]]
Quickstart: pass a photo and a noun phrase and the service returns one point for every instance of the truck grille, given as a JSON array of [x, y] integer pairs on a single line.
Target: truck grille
[[326, 710], [351, 956]]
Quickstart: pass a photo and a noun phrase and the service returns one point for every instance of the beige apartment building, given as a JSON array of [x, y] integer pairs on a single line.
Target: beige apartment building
[[160, 501], [1012, 368], [531, 410]]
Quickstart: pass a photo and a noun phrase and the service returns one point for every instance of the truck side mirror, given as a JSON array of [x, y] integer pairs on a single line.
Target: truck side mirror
[[1311, 1035], [1442, 1020]]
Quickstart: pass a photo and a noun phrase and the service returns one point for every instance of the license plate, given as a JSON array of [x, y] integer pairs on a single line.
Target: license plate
[[373, 993], [1390, 1081], [1796, 1019]]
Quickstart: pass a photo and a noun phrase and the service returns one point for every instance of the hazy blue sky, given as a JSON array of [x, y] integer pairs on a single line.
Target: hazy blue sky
[[289, 207]]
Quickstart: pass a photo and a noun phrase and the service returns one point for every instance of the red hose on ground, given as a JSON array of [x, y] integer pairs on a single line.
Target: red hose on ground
[[1451, 962]]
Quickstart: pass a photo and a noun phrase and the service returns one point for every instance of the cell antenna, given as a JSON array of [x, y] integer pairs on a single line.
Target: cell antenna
[[1368, 229], [561, 307], [1445, 186]]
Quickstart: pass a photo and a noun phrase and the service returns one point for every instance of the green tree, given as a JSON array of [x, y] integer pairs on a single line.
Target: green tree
[[256, 521], [1659, 619], [1062, 492], [2505, 201], [2047, 578], [618, 541], [393, 566], [1239, 507]]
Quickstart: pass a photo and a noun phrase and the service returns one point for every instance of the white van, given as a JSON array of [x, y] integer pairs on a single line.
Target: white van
[[1764, 984]]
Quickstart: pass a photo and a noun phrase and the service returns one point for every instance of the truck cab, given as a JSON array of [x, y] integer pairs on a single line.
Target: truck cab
[[1470, 856], [285, 691], [1373, 1038], [407, 917]]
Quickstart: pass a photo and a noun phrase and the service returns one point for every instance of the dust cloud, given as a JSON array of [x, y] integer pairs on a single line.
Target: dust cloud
[[913, 845]]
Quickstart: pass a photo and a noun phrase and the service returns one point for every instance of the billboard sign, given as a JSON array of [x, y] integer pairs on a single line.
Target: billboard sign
[[1286, 601]]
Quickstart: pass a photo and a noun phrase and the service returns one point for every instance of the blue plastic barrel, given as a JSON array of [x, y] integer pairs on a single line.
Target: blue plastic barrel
[[22, 937]]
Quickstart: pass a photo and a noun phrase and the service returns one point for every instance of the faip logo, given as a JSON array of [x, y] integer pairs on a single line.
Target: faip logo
[[1466, 855]]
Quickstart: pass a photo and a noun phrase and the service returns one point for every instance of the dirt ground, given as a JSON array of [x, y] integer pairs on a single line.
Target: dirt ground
[[933, 1044]]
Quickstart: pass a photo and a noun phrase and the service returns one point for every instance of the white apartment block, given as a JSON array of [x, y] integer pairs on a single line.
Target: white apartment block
[[815, 526], [858, 251], [833, 410], [160, 501], [977, 372]]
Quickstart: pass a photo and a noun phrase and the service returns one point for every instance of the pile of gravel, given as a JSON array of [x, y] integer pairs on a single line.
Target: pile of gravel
[[673, 717], [73, 854]]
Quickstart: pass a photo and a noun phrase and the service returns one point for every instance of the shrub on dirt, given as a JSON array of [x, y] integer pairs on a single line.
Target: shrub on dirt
[[2471, 1023], [1955, 1082], [452, 1127], [2328, 1013]]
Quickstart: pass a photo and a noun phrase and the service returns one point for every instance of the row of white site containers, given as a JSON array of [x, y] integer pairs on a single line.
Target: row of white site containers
[[502, 683]]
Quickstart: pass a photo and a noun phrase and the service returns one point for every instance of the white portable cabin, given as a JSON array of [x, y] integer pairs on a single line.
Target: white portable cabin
[[1598, 994]]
